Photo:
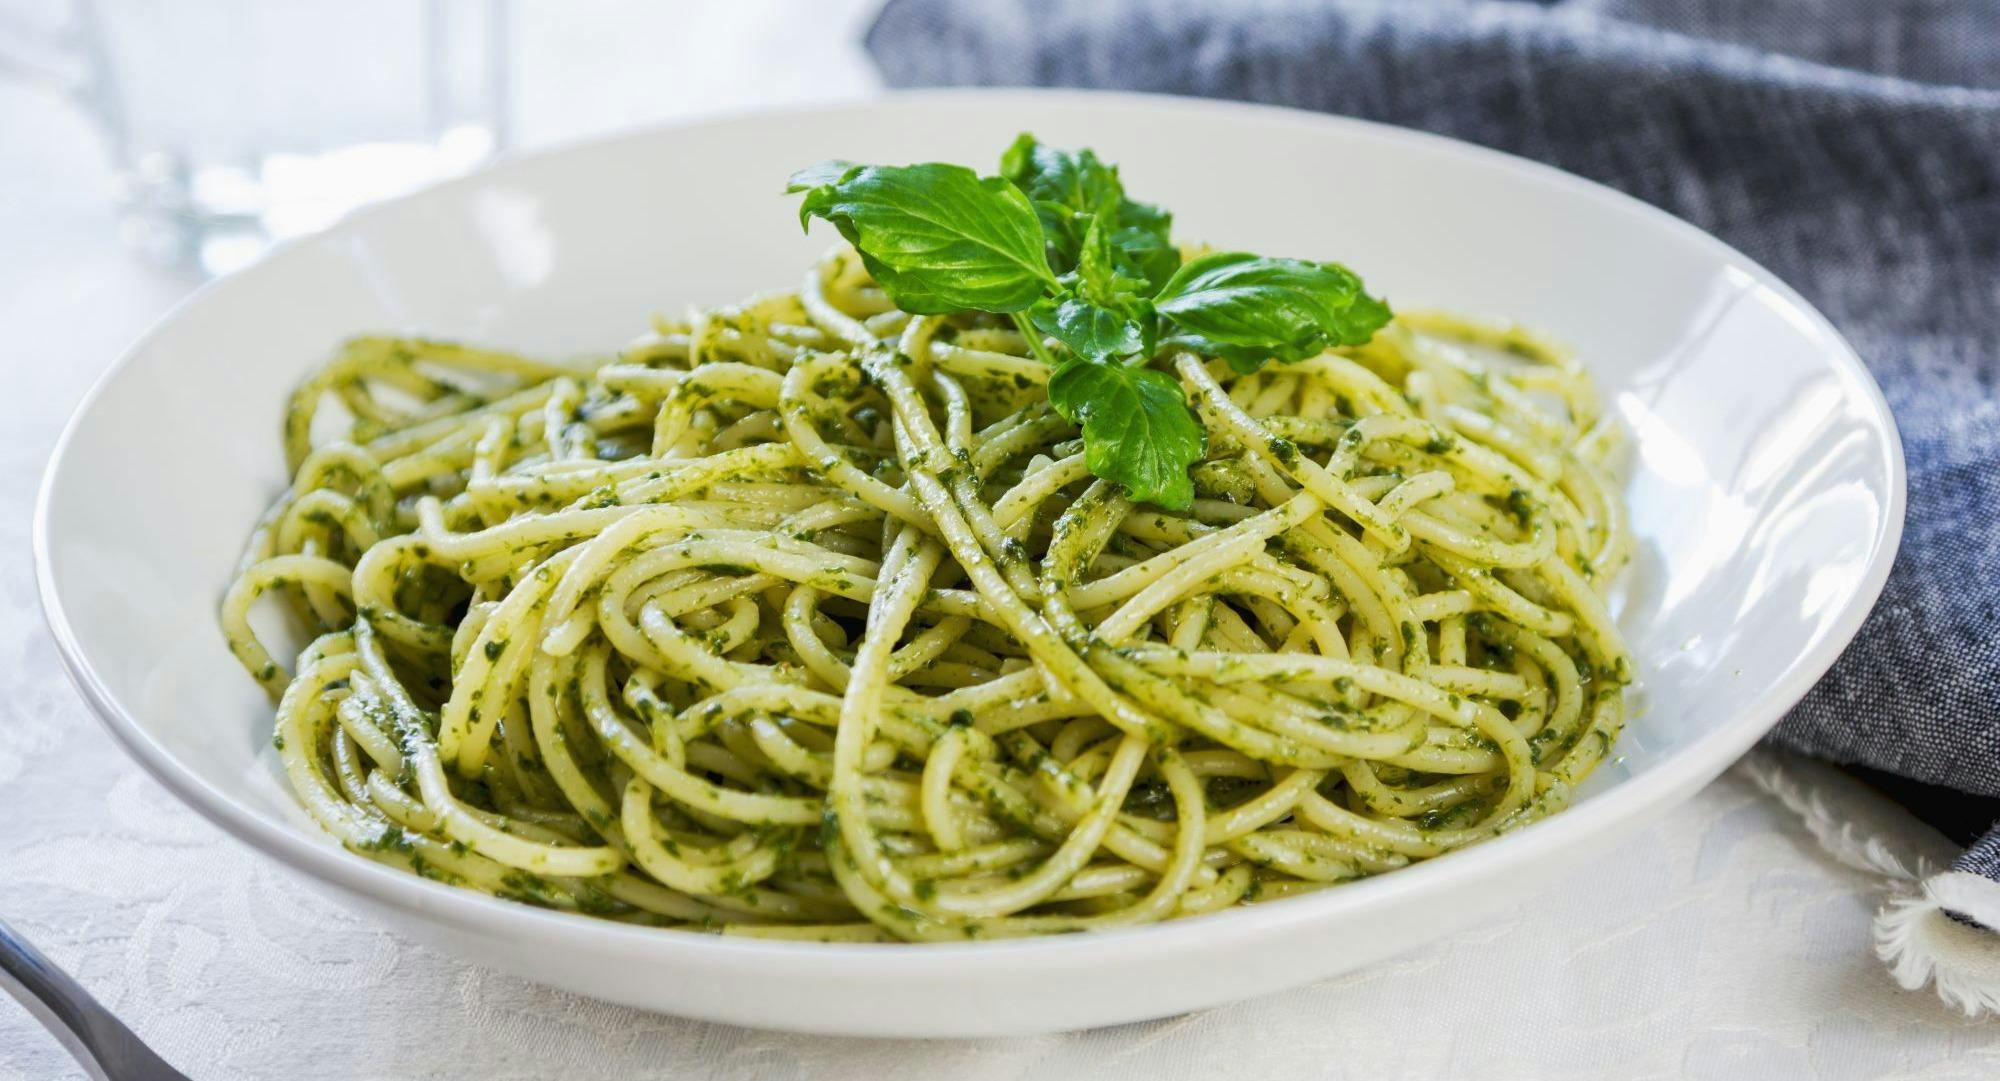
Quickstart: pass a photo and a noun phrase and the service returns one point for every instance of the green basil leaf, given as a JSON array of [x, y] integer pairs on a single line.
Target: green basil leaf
[[1107, 314], [1145, 255], [938, 238], [1138, 429], [1088, 330], [1097, 264], [1364, 317], [1105, 277], [1063, 229], [1143, 217], [1075, 180], [1247, 307], [1142, 237], [1071, 190]]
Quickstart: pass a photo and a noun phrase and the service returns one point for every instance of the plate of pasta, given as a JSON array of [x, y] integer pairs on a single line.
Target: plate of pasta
[[1066, 582]]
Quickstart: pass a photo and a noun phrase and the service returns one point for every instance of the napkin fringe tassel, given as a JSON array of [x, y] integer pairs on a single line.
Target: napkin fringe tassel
[[1937, 927]]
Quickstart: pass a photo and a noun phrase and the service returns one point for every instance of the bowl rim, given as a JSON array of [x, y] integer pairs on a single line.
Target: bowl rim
[[1624, 803]]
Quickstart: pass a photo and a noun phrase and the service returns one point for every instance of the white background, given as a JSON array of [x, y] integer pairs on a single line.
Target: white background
[[1719, 944]]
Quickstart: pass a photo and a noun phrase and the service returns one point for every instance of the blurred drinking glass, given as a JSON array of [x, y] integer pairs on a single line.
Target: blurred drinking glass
[[235, 123]]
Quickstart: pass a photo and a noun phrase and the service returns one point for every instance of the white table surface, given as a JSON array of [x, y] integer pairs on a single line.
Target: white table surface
[[1720, 944]]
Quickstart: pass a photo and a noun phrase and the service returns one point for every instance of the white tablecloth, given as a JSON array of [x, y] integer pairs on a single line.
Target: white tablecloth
[[1721, 943]]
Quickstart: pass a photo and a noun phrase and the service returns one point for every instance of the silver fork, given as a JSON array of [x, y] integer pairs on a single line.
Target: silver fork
[[107, 1049]]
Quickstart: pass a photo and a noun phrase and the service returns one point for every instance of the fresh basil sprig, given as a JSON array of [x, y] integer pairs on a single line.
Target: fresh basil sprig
[[1055, 244]]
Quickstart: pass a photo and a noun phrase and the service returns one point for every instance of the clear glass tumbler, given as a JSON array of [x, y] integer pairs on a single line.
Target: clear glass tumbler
[[234, 123]]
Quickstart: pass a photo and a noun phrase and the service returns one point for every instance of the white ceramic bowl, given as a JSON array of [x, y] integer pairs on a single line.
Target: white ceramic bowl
[[1766, 493]]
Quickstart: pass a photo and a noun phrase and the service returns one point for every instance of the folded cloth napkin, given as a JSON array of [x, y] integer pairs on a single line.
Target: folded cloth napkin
[[1852, 146]]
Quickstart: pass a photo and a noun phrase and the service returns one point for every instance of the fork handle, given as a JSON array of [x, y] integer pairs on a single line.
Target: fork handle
[[107, 1050]]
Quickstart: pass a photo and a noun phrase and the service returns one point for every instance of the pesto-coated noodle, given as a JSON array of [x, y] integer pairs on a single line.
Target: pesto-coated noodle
[[804, 618]]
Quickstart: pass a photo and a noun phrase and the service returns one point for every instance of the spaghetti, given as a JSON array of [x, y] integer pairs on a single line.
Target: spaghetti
[[804, 618]]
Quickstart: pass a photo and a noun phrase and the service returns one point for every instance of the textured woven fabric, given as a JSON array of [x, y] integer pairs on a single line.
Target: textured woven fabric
[[1852, 146]]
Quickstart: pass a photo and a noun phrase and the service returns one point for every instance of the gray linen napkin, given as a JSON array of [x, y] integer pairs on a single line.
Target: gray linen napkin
[[1852, 146]]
